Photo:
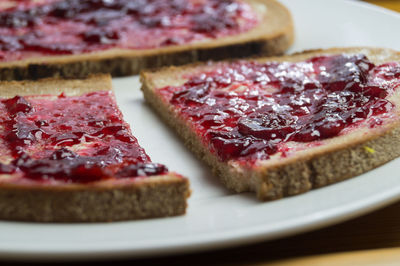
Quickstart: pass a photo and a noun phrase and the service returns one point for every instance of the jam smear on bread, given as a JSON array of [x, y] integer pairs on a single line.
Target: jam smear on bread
[[59, 27], [247, 110], [72, 139]]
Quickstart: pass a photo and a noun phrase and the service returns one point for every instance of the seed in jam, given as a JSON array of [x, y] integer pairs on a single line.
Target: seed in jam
[[248, 110], [77, 26], [72, 139]]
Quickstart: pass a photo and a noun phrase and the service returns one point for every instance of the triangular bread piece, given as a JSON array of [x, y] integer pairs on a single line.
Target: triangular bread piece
[[283, 125]]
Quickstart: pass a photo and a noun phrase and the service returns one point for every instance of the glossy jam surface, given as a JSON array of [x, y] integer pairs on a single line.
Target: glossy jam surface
[[58, 27], [249, 111], [72, 139]]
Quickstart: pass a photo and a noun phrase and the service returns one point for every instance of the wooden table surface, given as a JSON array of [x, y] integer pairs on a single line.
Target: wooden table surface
[[390, 4], [373, 239]]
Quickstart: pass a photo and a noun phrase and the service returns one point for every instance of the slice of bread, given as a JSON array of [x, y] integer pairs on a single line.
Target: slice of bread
[[272, 36], [329, 161], [111, 199]]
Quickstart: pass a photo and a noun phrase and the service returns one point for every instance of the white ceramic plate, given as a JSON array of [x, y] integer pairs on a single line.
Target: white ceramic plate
[[217, 218]]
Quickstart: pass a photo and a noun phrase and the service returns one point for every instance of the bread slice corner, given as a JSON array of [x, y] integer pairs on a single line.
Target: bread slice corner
[[100, 201]]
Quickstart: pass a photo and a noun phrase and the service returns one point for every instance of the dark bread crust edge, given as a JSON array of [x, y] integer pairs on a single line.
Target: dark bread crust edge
[[103, 201], [156, 196], [293, 176], [130, 62]]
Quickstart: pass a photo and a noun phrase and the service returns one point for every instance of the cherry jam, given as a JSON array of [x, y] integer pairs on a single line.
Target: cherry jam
[[249, 110], [72, 139], [59, 27]]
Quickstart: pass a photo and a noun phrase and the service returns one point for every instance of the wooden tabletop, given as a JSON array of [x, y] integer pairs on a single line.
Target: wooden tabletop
[[390, 4], [373, 239]]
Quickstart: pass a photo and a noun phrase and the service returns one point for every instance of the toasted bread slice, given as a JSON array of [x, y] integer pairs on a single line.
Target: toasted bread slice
[[47, 199], [271, 36], [310, 164]]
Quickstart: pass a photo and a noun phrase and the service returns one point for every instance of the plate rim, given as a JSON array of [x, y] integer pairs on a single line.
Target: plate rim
[[356, 209]]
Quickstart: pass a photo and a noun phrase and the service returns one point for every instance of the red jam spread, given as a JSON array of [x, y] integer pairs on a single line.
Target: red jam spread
[[250, 110], [71, 139], [58, 27]]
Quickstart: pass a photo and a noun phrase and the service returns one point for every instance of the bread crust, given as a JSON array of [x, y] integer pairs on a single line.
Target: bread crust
[[338, 159], [156, 196], [272, 36], [102, 201]]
